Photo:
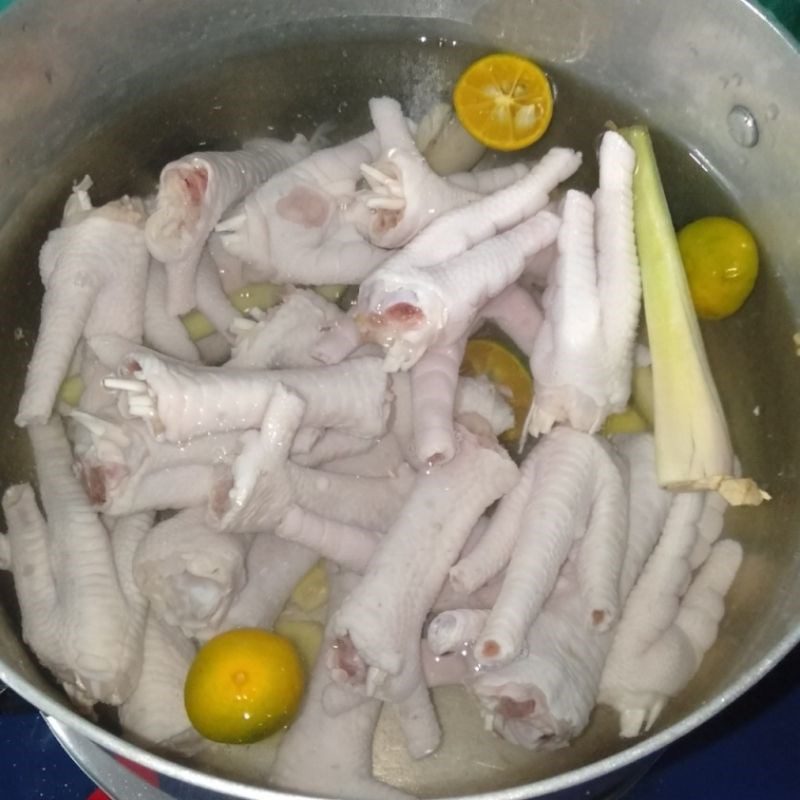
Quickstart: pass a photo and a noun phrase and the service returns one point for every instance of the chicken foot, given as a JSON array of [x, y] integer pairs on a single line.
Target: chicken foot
[[341, 744], [666, 628], [378, 628], [180, 401], [582, 359], [409, 309], [576, 493], [80, 612], [94, 271], [193, 194]]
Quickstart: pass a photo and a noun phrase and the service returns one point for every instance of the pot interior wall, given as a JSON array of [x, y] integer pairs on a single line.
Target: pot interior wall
[[88, 106]]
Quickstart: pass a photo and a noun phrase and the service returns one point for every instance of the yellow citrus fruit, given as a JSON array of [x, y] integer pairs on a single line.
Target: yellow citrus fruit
[[505, 369], [243, 685], [504, 101], [721, 261]]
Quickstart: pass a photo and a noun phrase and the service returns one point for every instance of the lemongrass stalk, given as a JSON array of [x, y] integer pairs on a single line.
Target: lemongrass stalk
[[693, 446]]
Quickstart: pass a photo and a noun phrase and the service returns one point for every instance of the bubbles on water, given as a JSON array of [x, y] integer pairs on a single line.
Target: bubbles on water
[[742, 126]]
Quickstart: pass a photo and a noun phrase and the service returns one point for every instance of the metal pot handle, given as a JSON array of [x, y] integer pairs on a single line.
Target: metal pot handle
[[114, 779]]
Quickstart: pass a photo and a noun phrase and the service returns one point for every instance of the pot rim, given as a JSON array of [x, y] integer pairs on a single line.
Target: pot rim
[[61, 712], [115, 744]]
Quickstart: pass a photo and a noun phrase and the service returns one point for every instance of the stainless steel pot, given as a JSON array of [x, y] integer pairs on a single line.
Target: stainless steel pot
[[107, 88]]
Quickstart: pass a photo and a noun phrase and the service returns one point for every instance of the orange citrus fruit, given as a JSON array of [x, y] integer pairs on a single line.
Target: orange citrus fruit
[[243, 685], [508, 371], [504, 101], [721, 261]]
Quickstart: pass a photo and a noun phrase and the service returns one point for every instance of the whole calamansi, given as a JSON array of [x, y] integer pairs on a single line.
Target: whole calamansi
[[721, 261], [244, 685]]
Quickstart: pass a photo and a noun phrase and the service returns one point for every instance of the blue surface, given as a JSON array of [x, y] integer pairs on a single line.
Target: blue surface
[[750, 750]]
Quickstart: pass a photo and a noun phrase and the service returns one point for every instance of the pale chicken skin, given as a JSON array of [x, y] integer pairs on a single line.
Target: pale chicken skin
[[94, 270], [194, 193], [378, 627]]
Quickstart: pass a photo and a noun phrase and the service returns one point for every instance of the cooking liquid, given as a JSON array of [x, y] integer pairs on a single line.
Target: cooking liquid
[[296, 87]]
